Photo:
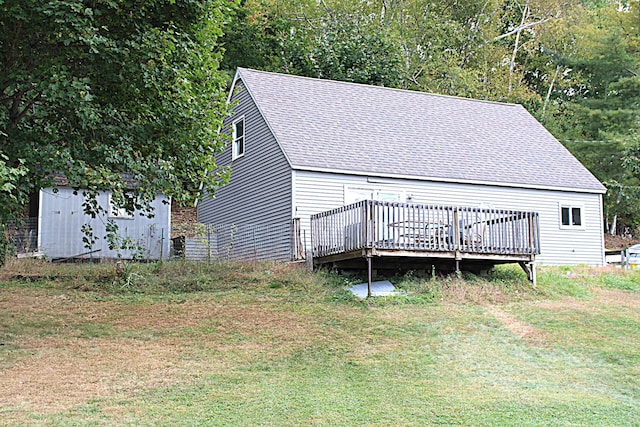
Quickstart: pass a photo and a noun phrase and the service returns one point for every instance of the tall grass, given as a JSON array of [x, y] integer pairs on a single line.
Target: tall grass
[[504, 283]]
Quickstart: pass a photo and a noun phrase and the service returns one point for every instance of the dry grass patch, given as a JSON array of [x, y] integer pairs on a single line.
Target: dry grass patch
[[517, 327], [109, 349], [61, 373], [618, 298]]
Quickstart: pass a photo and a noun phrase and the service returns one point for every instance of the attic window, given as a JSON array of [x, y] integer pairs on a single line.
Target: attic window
[[571, 216], [238, 139]]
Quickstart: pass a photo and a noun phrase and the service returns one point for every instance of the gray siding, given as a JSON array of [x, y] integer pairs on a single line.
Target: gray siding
[[61, 218], [316, 192], [259, 191]]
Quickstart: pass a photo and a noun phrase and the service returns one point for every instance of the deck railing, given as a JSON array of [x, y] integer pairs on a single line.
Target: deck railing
[[371, 224]]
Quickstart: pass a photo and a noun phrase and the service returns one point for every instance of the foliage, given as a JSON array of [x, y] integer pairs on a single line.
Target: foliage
[[331, 45], [115, 95], [4, 244], [342, 48]]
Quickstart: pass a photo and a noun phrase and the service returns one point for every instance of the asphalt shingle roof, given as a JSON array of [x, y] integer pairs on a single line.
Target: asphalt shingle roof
[[347, 127]]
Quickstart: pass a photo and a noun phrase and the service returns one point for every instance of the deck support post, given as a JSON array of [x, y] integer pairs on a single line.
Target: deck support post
[[458, 259], [369, 270], [530, 269]]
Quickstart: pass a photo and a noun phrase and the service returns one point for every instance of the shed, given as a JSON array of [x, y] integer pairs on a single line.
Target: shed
[[58, 218]]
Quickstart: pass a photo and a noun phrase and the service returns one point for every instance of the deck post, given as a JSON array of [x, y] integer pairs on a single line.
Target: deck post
[[530, 269], [369, 270]]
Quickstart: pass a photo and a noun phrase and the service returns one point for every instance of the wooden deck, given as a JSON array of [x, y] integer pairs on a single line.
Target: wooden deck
[[371, 228]]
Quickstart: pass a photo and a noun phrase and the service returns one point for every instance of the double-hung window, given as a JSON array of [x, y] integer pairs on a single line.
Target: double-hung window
[[571, 216], [238, 139]]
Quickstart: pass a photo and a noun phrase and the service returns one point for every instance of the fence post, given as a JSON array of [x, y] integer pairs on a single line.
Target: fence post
[[208, 243]]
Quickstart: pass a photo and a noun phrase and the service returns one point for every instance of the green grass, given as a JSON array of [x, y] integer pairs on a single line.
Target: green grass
[[266, 344]]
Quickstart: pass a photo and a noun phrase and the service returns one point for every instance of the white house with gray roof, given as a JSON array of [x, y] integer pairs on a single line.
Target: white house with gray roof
[[301, 146]]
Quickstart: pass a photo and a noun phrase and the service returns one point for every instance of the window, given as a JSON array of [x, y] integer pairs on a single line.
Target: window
[[238, 139], [118, 212], [571, 216]]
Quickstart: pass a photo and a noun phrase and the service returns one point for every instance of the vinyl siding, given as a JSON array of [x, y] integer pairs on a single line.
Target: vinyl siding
[[259, 191], [61, 218], [316, 192]]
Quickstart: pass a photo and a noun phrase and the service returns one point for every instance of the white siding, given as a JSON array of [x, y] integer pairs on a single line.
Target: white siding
[[61, 218], [317, 192]]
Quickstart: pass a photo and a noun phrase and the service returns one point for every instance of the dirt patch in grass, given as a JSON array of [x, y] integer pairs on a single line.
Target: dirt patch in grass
[[519, 328], [563, 304], [61, 373], [618, 298]]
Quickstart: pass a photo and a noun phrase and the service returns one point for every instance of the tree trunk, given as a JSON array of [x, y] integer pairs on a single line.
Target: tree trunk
[[612, 228], [549, 92], [614, 222], [512, 64]]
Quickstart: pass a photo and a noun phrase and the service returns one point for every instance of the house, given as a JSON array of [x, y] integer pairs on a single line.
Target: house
[[57, 219], [302, 147]]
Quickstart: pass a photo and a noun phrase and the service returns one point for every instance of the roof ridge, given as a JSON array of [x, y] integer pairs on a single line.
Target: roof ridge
[[370, 86]]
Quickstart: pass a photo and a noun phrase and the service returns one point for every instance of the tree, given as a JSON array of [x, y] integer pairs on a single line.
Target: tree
[[594, 103], [314, 40], [342, 48], [107, 91]]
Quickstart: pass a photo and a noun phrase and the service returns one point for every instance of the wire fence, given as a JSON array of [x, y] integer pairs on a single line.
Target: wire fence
[[211, 242], [23, 236], [194, 241]]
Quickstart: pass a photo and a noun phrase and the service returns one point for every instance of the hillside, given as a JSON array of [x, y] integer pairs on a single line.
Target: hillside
[[271, 344]]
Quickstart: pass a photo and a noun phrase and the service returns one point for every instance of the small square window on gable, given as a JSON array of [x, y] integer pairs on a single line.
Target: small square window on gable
[[118, 211], [571, 216], [237, 148]]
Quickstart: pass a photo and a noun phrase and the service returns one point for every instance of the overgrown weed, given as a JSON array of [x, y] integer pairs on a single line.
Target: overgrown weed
[[505, 283], [179, 276]]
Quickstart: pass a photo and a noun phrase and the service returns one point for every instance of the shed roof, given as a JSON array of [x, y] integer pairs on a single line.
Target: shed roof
[[370, 130]]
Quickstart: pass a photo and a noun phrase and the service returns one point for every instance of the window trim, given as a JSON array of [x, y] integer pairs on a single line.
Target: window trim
[[243, 138], [571, 225], [120, 213]]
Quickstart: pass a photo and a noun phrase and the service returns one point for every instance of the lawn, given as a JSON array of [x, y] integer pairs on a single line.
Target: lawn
[[274, 345]]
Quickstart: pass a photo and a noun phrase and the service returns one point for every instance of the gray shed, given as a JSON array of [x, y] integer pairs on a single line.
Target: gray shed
[[60, 219]]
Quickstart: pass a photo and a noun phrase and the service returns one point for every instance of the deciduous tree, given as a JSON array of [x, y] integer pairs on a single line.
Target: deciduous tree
[[97, 89]]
